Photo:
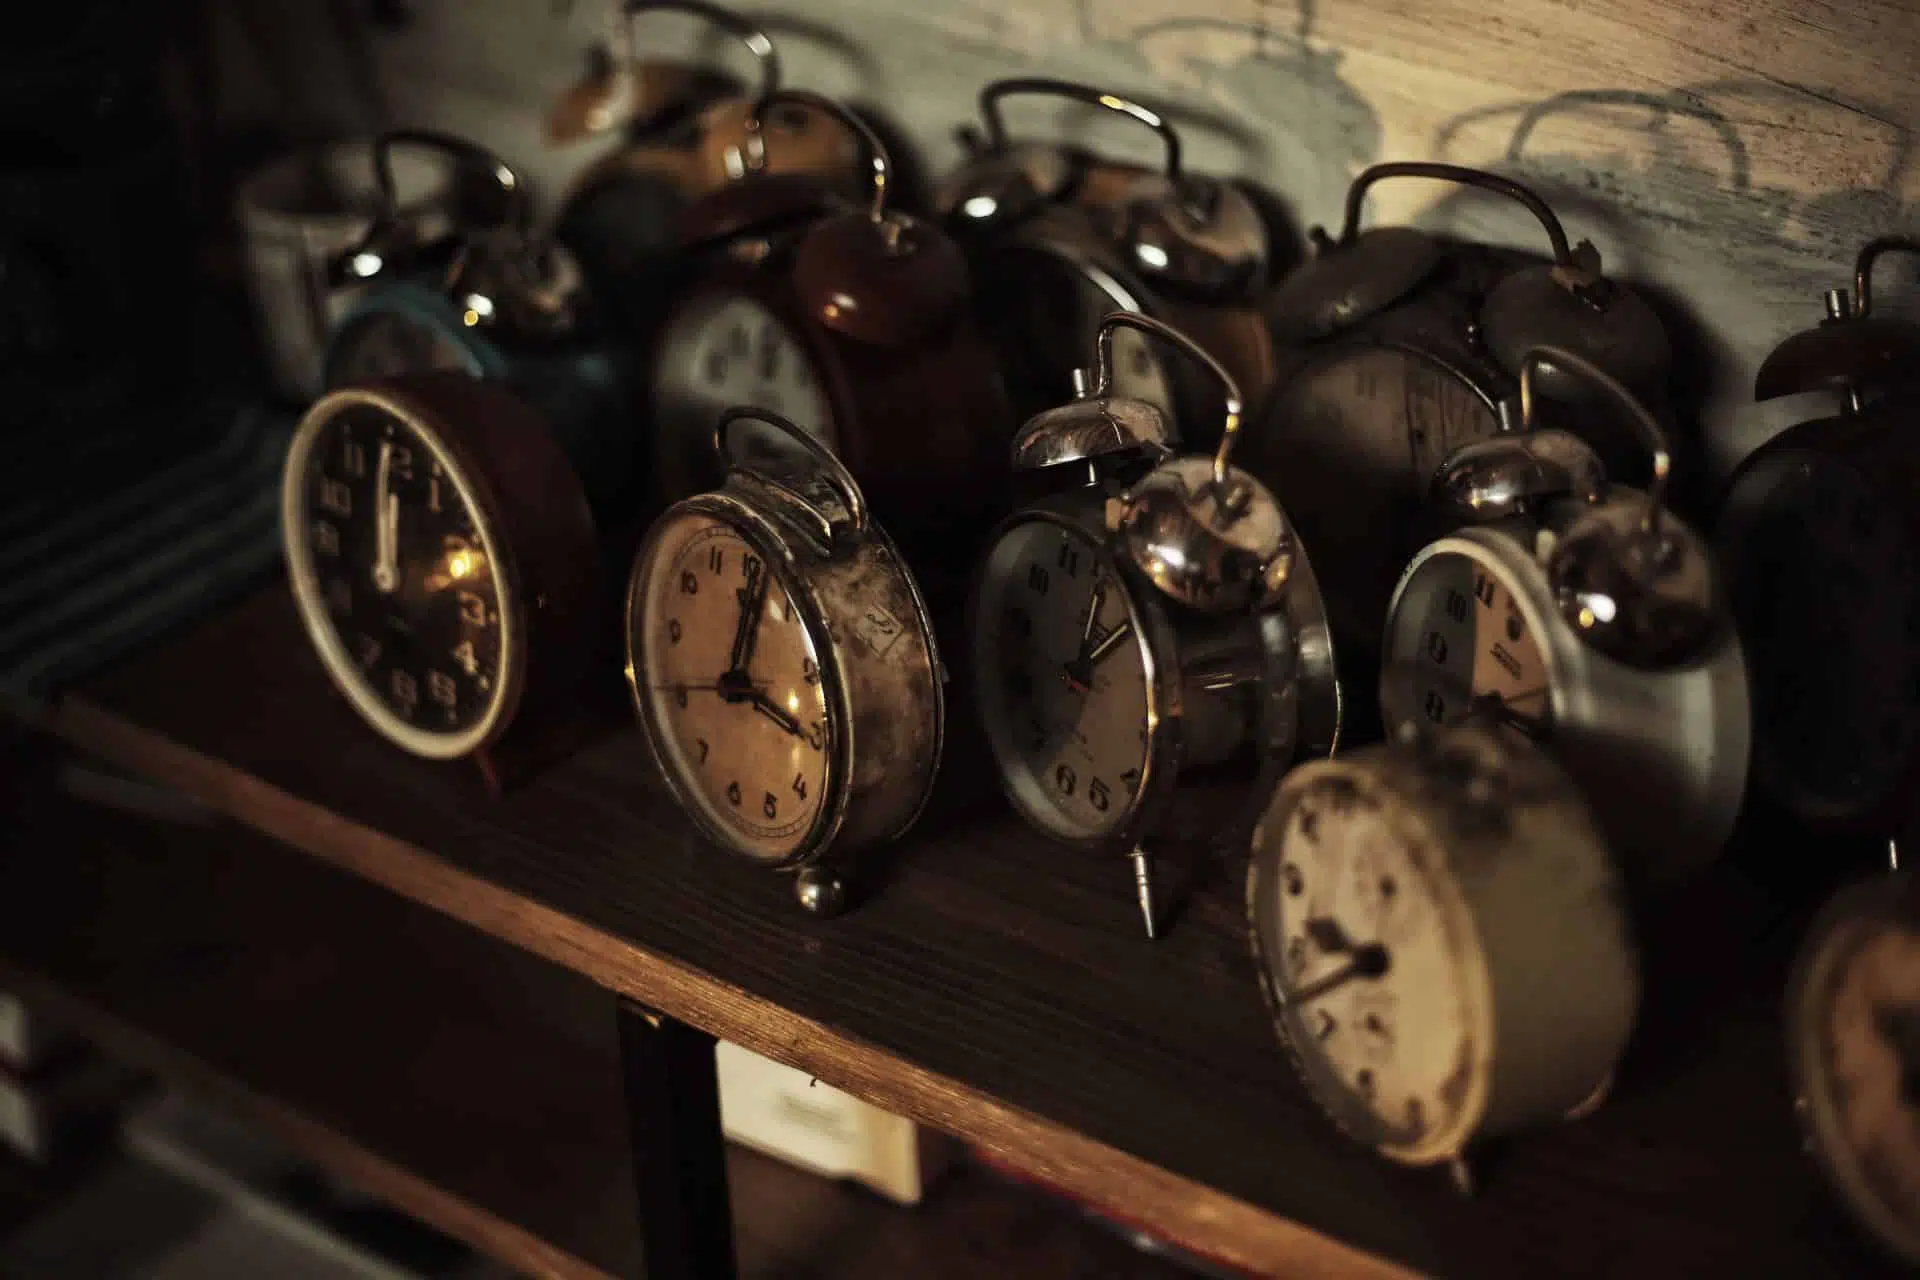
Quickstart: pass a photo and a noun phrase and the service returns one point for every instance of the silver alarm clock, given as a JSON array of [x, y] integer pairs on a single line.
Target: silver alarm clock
[[1152, 615], [1592, 617]]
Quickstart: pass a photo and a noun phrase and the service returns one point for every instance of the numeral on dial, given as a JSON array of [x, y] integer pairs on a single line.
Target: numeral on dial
[[405, 691], [733, 794], [441, 689], [1069, 560], [336, 497], [464, 655], [1099, 796], [473, 610], [1483, 589], [326, 538], [1037, 578]]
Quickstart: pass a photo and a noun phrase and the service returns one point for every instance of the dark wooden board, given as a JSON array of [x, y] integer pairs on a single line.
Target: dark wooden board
[[481, 1080], [997, 960]]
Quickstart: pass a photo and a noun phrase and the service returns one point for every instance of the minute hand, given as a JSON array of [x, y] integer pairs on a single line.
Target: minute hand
[[753, 600]]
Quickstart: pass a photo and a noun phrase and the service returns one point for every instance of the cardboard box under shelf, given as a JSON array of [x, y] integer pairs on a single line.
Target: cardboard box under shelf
[[791, 1116]]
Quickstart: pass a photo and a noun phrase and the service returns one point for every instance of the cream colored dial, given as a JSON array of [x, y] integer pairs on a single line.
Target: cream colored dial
[[731, 688], [1062, 674], [1858, 1052], [1380, 969], [1459, 634]]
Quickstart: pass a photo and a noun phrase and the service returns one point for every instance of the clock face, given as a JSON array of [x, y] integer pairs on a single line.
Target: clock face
[[723, 351], [395, 569], [1858, 1022], [380, 344], [730, 687], [1041, 311], [1063, 680], [1379, 970], [1350, 445], [1824, 590], [1459, 640]]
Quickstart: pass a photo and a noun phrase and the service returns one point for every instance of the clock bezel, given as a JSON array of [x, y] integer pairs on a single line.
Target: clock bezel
[[776, 547], [420, 304], [476, 493]]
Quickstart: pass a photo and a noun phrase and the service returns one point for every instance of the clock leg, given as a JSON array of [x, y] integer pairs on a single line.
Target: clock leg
[[679, 1152], [822, 889], [1143, 883]]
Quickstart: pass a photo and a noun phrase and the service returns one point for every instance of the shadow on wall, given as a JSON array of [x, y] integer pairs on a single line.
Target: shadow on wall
[[1706, 231]]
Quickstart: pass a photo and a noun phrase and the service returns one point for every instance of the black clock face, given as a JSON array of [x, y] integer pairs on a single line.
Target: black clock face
[[1823, 588], [1350, 446], [394, 568], [380, 344]]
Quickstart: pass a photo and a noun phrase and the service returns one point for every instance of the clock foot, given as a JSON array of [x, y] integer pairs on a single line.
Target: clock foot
[[1143, 882], [821, 891], [1461, 1173]]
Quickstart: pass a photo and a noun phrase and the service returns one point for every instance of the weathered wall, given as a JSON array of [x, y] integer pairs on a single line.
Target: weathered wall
[[1731, 155]]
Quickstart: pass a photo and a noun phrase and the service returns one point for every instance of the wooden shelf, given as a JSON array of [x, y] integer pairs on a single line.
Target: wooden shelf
[[463, 1079], [996, 987]]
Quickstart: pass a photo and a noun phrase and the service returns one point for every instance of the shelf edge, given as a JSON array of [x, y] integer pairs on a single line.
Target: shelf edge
[[1188, 1213]]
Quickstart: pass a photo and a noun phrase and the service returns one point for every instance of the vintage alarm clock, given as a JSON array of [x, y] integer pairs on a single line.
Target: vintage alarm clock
[[1442, 938], [854, 322], [783, 664], [1593, 616], [1172, 244], [501, 303], [444, 561], [1396, 349], [1818, 536], [1853, 1050], [685, 135], [1152, 616]]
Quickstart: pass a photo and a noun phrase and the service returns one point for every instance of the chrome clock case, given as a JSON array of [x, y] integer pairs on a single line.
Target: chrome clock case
[[863, 616], [1222, 608], [1613, 607]]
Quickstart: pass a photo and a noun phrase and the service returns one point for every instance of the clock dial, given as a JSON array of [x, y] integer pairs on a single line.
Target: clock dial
[[1062, 672], [1457, 638], [1349, 446], [731, 686], [1859, 1021], [397, 576], [724, 351], [1373, 967], [1824, 591], [381, 344], [1041, 308]]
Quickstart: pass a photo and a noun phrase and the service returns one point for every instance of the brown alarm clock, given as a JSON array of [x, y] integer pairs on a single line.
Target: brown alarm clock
[[686, 133], [446, 568], [854, 322]]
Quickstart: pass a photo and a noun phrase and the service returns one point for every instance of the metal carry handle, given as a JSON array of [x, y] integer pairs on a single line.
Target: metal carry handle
[[1041, 85], [520, 204], [1651, 435], [878, 160], [1459, 175], [1103, 375], [1863, 268], [835, 472], [756, 40]]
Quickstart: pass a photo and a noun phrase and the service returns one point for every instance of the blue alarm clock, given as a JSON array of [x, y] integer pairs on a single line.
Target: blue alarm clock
[[499, 302]]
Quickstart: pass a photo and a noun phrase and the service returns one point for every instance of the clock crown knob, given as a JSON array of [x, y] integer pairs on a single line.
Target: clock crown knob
[[1852, 350], [1632, 579], [1206, 533]]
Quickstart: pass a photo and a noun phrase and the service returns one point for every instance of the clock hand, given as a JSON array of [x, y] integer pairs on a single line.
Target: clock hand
[[1368, 960], [732, 690], [775, 712], [386, 524], [753, 599], [1079, 668], [1109, 642]]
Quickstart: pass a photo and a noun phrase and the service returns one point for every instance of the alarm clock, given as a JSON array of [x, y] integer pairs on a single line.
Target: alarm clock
[[1818, 536], [1396, 349], [783, 664], [501, 303], [444, 561], [1442, 939], [685, 135], [854, 322], [1057, 239], [1593, 617], [1152, 616], [1853, 1048]]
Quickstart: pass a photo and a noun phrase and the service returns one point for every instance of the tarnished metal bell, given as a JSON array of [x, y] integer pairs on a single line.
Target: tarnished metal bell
[[1511, 474], [1098, 424], [1211, 542], [1570, 305], [1348, 280], [1852, 350]]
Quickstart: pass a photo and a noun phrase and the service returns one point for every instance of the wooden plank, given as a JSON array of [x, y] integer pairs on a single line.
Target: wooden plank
[[995, 988]]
